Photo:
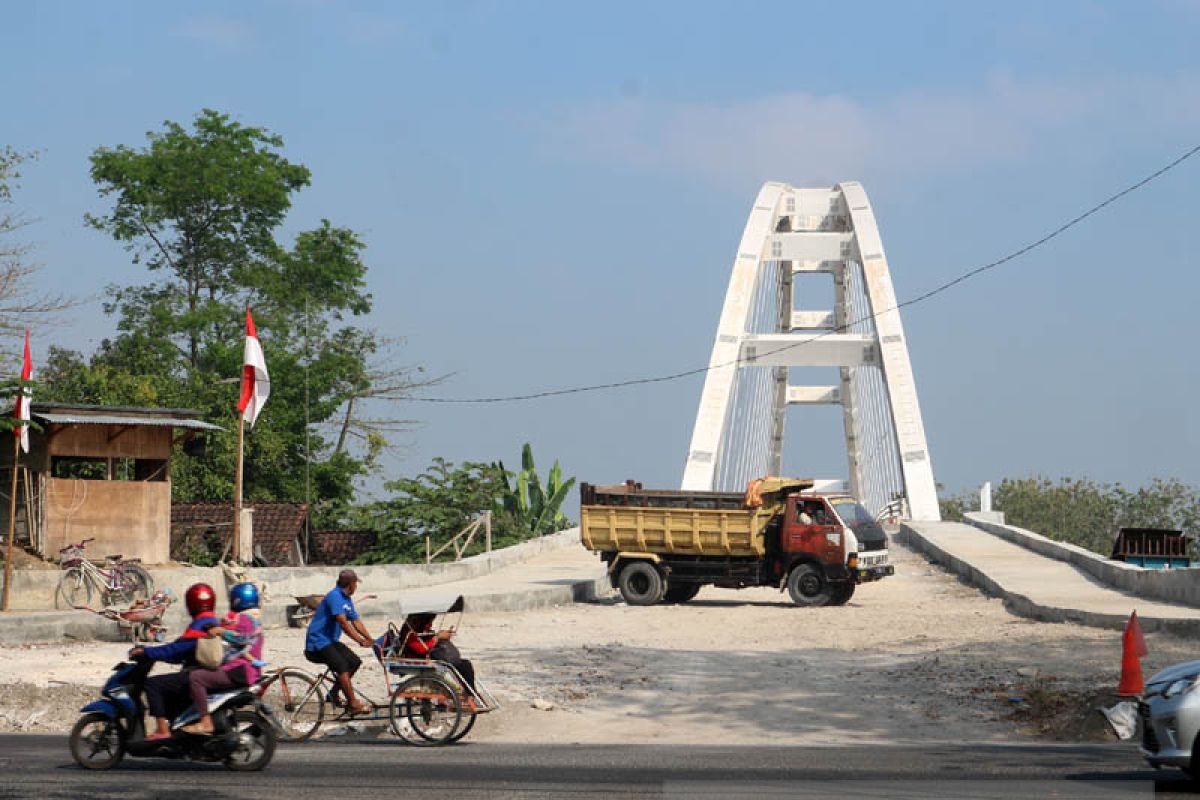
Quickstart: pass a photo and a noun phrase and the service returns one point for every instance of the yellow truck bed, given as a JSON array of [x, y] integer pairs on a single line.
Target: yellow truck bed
[[684, 531]]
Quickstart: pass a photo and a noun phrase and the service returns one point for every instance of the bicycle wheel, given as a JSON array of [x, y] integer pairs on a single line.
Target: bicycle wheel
[[298, 701], [431, 708], [74, 589], [137, 581]]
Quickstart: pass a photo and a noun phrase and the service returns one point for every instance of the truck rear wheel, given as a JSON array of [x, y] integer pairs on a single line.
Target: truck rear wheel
[[680, 592], [641, 583], [808, 587]]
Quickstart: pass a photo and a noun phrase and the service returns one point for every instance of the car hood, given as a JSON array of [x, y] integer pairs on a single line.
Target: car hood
[[1174, 673]]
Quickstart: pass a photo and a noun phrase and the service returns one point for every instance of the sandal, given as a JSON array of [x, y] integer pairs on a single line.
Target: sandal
[[195, 730], [359, 709], [157, 737]]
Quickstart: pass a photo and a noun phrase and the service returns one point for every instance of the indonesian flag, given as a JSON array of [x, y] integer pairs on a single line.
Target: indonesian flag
[[21, 409], [256, 384]]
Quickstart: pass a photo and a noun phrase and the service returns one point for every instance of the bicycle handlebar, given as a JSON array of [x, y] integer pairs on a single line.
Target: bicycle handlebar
[[78, 546]]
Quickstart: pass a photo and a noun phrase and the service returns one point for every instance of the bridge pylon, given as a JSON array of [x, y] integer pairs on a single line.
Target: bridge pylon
[[739, 434]]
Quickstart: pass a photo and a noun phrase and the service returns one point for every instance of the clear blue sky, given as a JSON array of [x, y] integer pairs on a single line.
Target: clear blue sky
[[552, 194]]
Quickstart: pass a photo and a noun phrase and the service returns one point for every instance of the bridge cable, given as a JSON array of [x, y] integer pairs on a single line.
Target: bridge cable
[[1061, 229]]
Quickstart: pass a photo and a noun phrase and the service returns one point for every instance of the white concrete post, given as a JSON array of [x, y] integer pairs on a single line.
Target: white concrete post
[[985, 497], [246, 536]]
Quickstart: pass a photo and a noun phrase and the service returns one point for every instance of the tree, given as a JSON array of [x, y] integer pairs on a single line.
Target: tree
[[533, 508], [200, 208], [20, 304], [437, 504]]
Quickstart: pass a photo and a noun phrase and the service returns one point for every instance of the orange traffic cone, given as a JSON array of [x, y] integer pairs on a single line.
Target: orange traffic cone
[[1133, 647]]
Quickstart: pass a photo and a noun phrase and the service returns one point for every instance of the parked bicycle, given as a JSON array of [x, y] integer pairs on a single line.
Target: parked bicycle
[[118, 582]]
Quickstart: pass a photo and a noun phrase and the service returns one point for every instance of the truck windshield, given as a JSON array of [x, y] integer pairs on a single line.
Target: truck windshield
[[858, 519]]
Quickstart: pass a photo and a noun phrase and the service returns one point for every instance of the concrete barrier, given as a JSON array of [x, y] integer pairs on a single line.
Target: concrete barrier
[[1171, 585], [34, 589]]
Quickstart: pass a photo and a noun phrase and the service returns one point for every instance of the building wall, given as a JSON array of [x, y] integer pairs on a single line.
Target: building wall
[[132, 518], [94, 441]]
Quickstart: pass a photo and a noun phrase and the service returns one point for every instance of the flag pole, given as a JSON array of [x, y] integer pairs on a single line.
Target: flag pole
[[235, 546], [12, 519]]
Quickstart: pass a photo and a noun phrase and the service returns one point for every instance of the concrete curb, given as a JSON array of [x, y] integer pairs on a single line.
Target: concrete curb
[[26, 627], [1179, 585], [1024, 606]]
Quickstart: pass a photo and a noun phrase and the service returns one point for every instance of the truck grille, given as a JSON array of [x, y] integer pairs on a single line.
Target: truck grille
[[1149, 739]]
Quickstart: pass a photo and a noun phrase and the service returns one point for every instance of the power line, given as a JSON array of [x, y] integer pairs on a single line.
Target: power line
[[1061, 229]]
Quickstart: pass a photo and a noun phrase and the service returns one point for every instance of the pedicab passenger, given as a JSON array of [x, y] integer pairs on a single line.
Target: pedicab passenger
[[335, 614], [243, 637], [422, 641], [166, 694]]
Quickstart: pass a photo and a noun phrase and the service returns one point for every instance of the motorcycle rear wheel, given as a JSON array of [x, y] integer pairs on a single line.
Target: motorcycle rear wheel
[[256, 745]]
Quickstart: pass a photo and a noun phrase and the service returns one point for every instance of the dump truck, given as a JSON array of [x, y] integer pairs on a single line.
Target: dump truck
[[663, 545]]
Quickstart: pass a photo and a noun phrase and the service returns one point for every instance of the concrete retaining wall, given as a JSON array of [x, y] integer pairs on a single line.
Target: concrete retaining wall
[[1171, 585], [33, 589]]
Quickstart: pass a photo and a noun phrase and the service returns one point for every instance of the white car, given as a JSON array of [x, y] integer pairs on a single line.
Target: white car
[[1169, 712]]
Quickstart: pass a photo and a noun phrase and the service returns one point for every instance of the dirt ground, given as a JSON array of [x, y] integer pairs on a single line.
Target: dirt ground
[[917, 657]]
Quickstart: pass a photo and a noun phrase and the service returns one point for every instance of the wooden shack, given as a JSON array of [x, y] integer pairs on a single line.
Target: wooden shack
[[101, 472]]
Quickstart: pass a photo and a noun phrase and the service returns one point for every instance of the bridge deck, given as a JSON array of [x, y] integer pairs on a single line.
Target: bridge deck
[[1039, 587]]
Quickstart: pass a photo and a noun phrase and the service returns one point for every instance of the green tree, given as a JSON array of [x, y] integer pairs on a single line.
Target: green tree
[[200, 208], [533, 508], [437, 504]]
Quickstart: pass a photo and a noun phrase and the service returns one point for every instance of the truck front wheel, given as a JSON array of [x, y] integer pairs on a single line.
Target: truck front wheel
[[808, 587], [641, 583]]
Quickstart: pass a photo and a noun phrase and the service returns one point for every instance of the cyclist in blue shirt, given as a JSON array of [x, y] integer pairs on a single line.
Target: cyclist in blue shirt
[[335, 614]]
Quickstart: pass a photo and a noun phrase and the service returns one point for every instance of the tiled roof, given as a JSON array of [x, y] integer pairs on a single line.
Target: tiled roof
[[277, 526], [340, 547]]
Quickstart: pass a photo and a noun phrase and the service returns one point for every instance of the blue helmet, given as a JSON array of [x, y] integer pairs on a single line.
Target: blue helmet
[[243, 596]]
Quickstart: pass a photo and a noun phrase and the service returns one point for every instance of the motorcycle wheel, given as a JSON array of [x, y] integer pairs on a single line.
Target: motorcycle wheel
[[96, 742], [256, 742]]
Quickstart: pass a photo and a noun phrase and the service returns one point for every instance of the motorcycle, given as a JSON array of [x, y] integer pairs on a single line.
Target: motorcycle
[[113, 727]]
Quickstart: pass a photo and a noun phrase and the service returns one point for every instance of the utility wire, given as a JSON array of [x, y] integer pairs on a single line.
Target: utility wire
[[1061, 229]]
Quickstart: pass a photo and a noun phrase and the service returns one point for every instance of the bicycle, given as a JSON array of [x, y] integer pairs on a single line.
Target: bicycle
[[422, 708], [119, 582]]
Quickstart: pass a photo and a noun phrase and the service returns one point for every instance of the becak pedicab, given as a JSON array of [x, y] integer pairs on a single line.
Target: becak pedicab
[[436, 698]]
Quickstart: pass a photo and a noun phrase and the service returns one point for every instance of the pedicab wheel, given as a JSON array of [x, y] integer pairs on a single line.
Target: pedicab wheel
[[96, 742], [468, 722], [429, 706], [256, 742], [295, 698]]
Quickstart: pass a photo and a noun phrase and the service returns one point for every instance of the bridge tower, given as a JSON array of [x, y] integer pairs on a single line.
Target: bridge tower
[[740, 425]]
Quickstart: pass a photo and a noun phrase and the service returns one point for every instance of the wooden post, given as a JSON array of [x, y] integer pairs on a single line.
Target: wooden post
[[428, 558], [235, 548], [12, 521]]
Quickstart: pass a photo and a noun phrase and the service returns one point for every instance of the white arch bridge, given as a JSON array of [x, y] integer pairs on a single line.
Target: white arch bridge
[[764, 331]]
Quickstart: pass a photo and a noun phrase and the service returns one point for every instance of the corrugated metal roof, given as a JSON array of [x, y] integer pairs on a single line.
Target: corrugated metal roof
[[123, 419]]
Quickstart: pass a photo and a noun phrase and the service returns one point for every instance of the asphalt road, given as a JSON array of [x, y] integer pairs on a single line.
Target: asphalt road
[[40, 767]]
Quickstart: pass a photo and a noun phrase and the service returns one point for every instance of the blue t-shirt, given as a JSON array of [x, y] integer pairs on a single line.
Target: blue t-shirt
[[323, 628]]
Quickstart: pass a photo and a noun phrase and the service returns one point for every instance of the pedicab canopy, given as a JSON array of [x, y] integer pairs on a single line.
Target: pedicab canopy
[[432, 604]]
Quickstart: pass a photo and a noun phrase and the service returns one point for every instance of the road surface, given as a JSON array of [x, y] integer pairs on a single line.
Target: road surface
[[39, 766]]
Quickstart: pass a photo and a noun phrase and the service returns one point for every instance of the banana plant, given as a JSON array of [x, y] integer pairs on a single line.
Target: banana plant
[[533, 508]]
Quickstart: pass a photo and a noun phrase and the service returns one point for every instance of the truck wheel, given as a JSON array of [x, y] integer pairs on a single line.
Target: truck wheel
[[680, 592], [641, 583], [808, 587], [842, 594]]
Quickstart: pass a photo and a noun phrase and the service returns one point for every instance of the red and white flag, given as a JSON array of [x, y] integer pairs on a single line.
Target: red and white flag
[[21, 409], [256, 384]]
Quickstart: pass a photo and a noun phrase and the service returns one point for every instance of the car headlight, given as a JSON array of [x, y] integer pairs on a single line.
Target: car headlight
[[1182, 686]]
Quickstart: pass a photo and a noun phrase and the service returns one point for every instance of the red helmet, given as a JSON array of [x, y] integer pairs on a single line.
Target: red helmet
[[199, 598]]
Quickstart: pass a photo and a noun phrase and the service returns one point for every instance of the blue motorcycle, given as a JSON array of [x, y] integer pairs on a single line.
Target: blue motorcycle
[[113, 727]]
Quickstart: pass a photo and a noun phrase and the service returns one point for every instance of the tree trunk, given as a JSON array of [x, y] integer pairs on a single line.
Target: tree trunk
[[341, 442]]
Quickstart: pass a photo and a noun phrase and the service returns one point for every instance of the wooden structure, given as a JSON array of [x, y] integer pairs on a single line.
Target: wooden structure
[[101, 472], [1152, 548]]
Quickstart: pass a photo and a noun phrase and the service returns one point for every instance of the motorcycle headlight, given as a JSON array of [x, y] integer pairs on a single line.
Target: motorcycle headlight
[[1182, 686]]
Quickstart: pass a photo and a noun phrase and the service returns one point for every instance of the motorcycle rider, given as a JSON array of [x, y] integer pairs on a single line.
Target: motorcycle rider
[[166, 695], [243, 637]]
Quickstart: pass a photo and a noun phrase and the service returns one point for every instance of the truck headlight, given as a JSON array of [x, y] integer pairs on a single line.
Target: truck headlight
[[1182, 686]]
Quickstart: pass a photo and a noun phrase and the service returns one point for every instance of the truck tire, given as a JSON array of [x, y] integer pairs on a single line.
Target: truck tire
[[842, 593], [808, 587], [641, 583], [680, 592]]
